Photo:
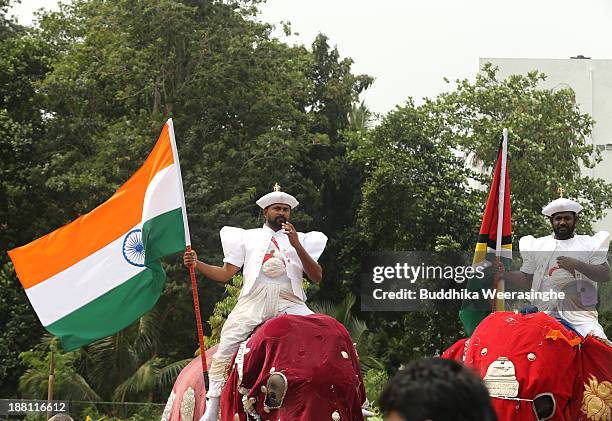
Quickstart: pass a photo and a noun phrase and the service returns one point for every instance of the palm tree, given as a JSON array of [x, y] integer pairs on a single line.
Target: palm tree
[[68, 383], [356, 328], [127, 366], [360, 117]]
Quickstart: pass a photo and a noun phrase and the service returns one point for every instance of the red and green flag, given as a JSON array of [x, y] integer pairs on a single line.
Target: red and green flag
[[494, 243]]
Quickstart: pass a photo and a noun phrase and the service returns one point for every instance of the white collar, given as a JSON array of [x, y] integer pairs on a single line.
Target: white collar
[[566, 241], [266, 228]]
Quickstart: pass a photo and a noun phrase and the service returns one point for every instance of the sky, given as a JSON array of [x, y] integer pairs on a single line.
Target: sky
[[409, 46]]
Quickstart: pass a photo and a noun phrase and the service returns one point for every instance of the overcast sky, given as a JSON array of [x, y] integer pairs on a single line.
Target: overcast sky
[[409, 45]]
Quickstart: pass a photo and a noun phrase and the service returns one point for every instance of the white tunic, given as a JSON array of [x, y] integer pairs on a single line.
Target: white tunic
[[262, 297], [248, 248], [540, 259]]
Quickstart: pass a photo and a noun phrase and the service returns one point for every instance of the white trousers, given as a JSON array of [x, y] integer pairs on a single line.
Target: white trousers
[[592, 327], [265, 301], [584, 320]]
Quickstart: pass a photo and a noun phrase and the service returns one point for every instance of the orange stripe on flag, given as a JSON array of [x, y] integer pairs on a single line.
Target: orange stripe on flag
[[37, 261]]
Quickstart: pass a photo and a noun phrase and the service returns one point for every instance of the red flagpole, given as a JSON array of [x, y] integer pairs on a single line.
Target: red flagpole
[[196, 306]]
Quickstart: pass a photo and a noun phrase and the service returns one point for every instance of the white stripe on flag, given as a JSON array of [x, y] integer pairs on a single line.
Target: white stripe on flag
[[82, 282], [163, 194]]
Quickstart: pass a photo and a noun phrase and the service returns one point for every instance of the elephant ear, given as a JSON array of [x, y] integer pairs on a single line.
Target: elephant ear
[[457, 350]]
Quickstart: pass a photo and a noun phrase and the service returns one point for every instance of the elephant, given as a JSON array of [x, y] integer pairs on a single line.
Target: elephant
[[536, 368], [298, 368]]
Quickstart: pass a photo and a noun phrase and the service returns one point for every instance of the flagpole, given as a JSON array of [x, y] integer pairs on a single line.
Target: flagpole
[[192, 276], [498, 281], [50, 384]]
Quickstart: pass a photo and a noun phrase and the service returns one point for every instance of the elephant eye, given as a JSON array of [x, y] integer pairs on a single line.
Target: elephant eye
[[544, 406], [275, 391]]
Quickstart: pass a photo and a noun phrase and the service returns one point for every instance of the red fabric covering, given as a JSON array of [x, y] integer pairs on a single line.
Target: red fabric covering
[[595, 396], [561, 365], [191, 376], [455, 352], [308, 351]]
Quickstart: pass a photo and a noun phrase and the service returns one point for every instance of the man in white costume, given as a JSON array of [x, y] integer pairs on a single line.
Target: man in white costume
[[567, 262], [274, 259]]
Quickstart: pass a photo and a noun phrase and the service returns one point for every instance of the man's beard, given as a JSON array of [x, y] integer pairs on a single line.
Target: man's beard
[[276, 223], [564, 232]]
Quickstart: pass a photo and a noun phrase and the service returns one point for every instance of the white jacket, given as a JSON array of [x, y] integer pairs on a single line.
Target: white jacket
[[537, 253], [248, 248]]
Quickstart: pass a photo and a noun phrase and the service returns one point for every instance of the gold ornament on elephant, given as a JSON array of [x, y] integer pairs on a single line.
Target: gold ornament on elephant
[[597, 400]]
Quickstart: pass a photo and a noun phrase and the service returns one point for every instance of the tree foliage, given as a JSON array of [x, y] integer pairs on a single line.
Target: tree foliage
[[423, 165], [89, 91], [84, 94], [549, 145]]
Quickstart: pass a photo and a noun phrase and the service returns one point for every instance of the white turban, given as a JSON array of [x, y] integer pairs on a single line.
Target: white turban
[[561, 205], [277, 197]]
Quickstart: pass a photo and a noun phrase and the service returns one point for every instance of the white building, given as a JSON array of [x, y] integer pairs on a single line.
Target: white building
[[592, 81]]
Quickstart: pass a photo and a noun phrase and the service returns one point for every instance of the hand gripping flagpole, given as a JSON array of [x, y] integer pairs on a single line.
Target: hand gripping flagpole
[[498, 281], [194, 285]]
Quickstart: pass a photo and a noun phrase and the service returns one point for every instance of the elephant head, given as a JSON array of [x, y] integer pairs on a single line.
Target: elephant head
[[297, 368], [537, 369]]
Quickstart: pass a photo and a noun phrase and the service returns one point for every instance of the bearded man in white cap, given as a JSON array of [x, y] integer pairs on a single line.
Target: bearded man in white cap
[[274, 259], [565, 262]]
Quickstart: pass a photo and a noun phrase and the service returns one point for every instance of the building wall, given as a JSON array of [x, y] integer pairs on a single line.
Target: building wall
[[592, 81]]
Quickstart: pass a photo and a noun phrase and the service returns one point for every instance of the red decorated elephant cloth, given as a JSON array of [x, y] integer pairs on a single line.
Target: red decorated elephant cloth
[[533, 357], [316, 357], [596, 386]]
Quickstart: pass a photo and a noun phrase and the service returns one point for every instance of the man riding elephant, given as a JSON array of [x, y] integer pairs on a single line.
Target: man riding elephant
[[565, 262], [274, 259]]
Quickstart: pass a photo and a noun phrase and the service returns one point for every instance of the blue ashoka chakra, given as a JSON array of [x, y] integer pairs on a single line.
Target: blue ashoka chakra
[[133, 249]]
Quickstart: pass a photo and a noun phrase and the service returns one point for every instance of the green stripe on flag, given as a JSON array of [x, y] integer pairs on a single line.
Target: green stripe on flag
[[163, 235], [474, 311], [111, 312]]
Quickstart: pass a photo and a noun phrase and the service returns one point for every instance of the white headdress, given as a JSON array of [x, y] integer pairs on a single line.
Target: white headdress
[[277, 196], [561, 204]]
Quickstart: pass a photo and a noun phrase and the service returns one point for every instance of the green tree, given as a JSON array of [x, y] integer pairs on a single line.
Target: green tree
[[416, 187], [416, 194], [20, 329], [548, 143], [249, 111], [360, 118], [415, 197], [24, 60], [68, 384]]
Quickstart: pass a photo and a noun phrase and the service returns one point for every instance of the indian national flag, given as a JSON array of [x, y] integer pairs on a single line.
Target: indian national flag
[[98, 274], [494, 242]]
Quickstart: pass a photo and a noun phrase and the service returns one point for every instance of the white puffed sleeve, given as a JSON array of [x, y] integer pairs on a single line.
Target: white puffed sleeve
[[232, 240], [600, 242], [527, 254], [314, 243]]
